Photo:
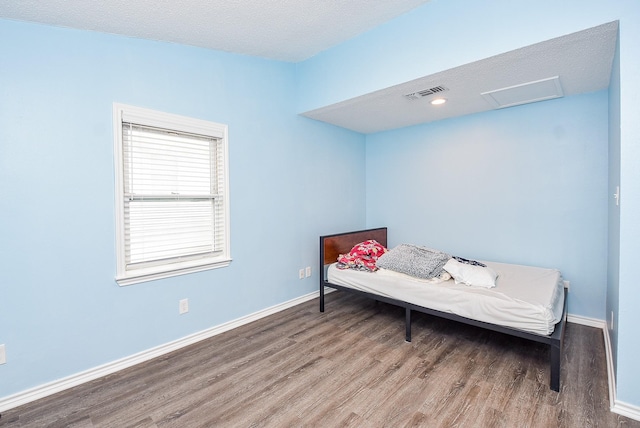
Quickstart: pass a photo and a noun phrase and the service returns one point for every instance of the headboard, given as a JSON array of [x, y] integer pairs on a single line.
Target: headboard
[[331, 246]]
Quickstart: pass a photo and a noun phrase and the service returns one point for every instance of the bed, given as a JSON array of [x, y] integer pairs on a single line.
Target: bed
[[515, 307]]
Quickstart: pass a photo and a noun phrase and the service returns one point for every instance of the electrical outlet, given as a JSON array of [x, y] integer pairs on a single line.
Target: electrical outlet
[[3, 354], [184, 306], [301, 274], [307, 271]]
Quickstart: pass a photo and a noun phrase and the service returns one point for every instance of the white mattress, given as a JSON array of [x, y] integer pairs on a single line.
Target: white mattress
[[526, 298]]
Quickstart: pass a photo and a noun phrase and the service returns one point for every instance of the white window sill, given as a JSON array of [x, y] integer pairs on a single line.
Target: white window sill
[[143, 275]]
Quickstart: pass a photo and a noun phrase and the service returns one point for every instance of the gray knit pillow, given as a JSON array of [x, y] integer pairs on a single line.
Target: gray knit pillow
[[421, 262]]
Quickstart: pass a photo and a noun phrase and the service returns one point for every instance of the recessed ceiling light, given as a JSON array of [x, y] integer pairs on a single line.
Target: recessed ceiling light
[[438, 101]]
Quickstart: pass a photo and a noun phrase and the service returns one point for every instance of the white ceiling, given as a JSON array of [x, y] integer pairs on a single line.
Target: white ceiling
[[286, 30], [293, 30], [581, 60]]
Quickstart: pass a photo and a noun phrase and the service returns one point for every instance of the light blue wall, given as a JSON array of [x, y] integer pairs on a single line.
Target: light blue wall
[[628, 369], [61, 311], [525, 185], [447, 33], [613, 268]]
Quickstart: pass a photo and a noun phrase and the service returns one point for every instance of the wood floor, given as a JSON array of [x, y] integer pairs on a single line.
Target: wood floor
[[349, 366]]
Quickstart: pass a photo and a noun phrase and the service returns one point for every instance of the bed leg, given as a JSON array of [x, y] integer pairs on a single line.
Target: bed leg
[[321, 297], [407, 323], [554, 382]]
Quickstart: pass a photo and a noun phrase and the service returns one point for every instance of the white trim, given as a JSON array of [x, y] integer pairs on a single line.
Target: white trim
[[616, 406], [601, 324], [143, 116], [150, 275], [625, 409], [611, 373], [590, 322], [59, 385]]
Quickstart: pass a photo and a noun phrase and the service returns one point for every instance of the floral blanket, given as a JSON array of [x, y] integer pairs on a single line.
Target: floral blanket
[[363, 256]]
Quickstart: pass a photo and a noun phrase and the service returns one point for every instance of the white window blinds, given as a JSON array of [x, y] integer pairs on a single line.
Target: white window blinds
[[173, 198]]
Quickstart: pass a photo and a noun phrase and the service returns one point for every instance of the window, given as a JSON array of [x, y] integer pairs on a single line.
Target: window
[[172, 197]]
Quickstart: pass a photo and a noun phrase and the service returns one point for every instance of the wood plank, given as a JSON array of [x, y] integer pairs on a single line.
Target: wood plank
[[349, 366]]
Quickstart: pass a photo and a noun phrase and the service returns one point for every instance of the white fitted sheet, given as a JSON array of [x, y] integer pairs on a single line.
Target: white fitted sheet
[[526, 298]]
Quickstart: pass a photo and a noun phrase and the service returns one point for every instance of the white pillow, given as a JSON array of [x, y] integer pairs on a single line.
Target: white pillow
[[471, 275]]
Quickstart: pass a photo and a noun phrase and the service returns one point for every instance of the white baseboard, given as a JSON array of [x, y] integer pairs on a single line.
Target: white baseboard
[[616, 406], [601, 324], [590, 322], [51, 388], [628, 410], [611, 373]]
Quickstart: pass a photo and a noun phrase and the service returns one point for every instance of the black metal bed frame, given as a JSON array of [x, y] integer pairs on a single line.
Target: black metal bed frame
[[332, 245]]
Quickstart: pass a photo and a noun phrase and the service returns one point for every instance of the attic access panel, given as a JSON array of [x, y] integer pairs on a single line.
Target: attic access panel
[[530, 92]]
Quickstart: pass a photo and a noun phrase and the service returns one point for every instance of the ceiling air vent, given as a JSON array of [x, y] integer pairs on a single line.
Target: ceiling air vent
[[425, 92]]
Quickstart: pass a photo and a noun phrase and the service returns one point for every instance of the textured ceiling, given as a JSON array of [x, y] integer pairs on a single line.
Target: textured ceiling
[[293, 30], [286, 30], [581, 60]]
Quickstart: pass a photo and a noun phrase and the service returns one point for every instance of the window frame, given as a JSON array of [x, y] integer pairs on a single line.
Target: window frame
[[181, 124]]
